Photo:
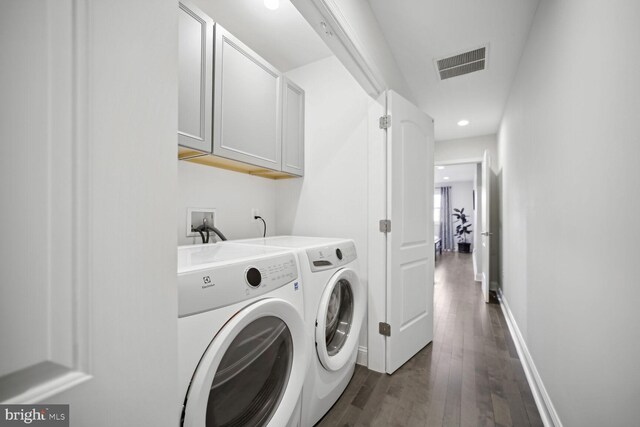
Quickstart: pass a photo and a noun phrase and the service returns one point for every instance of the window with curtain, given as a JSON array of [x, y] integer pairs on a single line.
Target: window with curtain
[[437, 203], [444, 228]]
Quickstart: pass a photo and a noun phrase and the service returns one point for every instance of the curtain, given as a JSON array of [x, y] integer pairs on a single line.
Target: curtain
[[446, 231]]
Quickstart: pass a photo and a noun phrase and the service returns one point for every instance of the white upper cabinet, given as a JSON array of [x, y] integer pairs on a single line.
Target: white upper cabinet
[[292, 128], [235, 109], [196, 78], [247, 98]]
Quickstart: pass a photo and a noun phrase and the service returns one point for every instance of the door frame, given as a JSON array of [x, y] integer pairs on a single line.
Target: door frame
[[464, 161], [478, 160], [486, 225], [377, 241]]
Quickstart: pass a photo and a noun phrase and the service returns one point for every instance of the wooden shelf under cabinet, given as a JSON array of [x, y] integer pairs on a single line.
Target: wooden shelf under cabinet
[[195, 156]]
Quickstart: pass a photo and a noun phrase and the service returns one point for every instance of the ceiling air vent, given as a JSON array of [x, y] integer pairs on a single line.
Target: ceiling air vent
[[464, 63]]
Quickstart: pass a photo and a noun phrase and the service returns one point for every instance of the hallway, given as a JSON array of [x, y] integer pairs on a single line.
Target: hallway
[[469, 376]]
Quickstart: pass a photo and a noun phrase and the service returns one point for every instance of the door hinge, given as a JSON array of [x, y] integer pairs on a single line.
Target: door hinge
[[385, 329], [385, 225], [385, 122]]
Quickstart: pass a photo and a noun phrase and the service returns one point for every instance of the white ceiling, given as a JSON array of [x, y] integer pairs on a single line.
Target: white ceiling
[[420, 30], [281, 36], [455, 173]]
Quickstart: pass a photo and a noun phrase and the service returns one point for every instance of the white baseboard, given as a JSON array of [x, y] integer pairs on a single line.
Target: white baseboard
[[543, 401], [362, 356], [478, 277]]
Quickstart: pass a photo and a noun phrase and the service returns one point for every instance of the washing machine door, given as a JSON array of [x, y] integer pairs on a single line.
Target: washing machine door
[[253, 371], [339, 319]]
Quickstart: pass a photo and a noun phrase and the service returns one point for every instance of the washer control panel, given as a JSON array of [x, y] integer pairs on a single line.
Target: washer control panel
[[208, 289], [332, 256]]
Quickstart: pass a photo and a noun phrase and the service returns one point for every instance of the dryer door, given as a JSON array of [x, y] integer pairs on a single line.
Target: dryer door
[[339, 319], [252, 372]]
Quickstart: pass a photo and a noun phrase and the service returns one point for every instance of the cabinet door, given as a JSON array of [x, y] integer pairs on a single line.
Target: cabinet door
[[292, 128], [247, 110], [195, 91]]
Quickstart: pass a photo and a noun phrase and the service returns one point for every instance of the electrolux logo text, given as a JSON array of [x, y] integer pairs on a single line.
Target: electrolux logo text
[[37, 415], [207, 282]]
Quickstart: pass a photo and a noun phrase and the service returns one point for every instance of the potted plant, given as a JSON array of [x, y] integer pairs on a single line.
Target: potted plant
[[462, 230]]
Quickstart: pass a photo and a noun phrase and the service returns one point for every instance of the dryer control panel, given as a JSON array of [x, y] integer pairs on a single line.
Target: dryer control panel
[[331, 256], [208, 289]]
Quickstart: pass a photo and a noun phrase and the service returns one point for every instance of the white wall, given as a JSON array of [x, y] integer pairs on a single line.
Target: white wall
[[461, 197], [232, 194], [569, 153], [458, 150], [331, 200]]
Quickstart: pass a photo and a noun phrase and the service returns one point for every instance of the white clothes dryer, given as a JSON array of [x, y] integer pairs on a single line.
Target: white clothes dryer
[[335, 305], [243, 351]]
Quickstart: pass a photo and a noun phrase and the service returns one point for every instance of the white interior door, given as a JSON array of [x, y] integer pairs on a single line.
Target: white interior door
[[42, 286], [486, 224], [88, 301], [410, 241]]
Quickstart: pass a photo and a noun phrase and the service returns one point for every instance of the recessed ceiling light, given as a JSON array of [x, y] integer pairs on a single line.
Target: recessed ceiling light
[[439, 167], [446, 177], [272, 4], [460, 123]]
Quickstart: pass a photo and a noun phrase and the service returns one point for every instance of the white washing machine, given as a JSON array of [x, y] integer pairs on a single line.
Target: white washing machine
[[243, 351], [335, 304]]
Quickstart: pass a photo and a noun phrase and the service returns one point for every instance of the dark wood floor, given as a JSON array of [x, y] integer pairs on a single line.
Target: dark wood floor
[[469, 376]]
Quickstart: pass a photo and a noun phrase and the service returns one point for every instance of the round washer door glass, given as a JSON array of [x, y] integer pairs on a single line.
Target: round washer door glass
[[252, 375], [339, 316]]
